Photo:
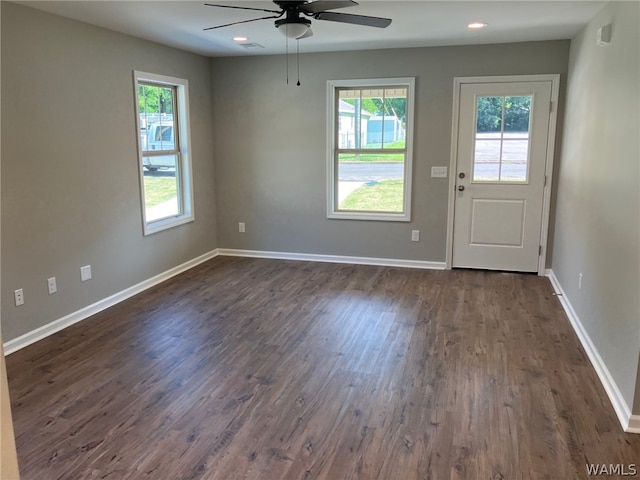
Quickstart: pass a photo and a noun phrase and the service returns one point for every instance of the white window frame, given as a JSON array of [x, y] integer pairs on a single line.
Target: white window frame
[[332, 149], [183, 137]]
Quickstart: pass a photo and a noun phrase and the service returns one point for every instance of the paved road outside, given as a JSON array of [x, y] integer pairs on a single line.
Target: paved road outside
[[367, 172]]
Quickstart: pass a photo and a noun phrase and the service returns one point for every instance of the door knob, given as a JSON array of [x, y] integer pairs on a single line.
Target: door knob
[[461, 188]]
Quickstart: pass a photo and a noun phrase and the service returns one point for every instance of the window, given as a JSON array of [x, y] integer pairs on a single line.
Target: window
[[162, 107], [501, 149], [370, 127]]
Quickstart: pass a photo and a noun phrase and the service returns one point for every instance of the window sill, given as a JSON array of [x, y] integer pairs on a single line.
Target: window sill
[[166, 223], [380, 217]]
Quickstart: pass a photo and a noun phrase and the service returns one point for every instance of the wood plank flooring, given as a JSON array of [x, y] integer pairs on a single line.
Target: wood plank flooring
[[267, 369]]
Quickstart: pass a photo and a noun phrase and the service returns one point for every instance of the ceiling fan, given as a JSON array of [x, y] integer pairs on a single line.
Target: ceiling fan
[[293, 16]]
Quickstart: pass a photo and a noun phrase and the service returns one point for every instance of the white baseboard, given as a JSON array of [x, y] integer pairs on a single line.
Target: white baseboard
[[311, 257], [630, 423], [75, 317], [634, 424]]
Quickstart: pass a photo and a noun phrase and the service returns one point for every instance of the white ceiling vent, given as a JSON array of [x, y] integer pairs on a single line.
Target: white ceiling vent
[[251, 45]]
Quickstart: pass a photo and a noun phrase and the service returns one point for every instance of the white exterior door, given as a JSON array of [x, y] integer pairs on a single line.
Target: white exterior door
[[502, 146]]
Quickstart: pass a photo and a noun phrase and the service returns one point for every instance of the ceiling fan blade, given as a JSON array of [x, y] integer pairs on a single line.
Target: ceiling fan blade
[[238, 23], [241, 8], [354, 19], [306, 35], [322, 5]]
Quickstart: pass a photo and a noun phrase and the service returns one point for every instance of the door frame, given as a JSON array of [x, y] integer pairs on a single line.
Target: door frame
[[551, 140]]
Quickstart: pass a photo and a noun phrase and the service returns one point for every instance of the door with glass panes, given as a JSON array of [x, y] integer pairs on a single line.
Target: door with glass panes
[[503, 133]]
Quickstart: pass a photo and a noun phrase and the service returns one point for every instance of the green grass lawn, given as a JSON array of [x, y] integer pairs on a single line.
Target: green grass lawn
[[158, 190], [384, 196], [398, 144]]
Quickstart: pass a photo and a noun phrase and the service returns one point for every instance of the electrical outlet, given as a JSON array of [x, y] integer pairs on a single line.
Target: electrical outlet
[[415, 235], [580, 281], [85, 273], [241, 227], [19, 297], [51, 284]]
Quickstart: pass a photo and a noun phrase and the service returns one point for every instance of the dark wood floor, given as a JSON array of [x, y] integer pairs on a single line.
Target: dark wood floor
[[264, 369]]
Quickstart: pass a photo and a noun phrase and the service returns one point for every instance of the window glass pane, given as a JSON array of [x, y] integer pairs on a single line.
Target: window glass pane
[[161, 187], [515, 155], [488, 147], [502, 139], [489, 115], [394, 110], [372, 117], [486, 165], [486, 171], [156, 107], [371, 182], [515, 151], [349, 123], [516, 114], [353, 118]]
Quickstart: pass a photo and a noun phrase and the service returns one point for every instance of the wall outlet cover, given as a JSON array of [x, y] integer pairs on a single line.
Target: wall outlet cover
[[85, 273], [51, 285], [19, 297]]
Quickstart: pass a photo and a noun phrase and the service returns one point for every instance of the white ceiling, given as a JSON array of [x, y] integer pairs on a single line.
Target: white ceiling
[[415, 23]]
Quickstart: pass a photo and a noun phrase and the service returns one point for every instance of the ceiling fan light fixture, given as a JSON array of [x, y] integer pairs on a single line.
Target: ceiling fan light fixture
[[293, 29], [240, 38]]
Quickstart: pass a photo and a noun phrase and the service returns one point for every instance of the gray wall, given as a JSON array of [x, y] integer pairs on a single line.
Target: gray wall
[[70, 187], [270, 145], [8, 455], [597, 213]]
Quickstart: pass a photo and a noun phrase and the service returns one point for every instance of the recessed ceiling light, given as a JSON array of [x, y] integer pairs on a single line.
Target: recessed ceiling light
[[240, 38], [476, 25]]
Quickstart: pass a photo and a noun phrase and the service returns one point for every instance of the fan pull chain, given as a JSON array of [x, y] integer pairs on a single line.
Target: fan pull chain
[[298, 58], [286, 49]]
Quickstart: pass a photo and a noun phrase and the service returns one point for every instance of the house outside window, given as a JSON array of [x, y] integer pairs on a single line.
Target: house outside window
[[370, 136], [162, 114]]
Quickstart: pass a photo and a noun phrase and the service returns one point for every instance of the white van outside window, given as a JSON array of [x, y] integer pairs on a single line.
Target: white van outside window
[[160, 137]]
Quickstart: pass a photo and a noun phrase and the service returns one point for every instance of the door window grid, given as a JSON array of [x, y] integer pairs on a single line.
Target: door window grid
[[501, 147]]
